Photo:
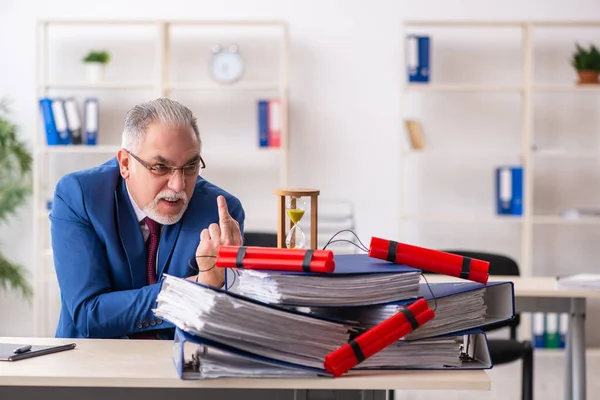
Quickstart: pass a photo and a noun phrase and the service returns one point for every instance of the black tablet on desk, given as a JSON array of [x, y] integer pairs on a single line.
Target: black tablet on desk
[[15, 352]]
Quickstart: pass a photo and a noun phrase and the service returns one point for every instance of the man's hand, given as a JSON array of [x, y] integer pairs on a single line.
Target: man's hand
[[227, 231]]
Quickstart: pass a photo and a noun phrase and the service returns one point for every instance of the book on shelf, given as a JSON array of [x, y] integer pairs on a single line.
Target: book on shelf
[[269, 123], [415, 134], [509, 190], [418, 58], [62, 121]]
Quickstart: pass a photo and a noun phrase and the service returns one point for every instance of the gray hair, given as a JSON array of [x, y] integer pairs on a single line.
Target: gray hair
[[163, 110]]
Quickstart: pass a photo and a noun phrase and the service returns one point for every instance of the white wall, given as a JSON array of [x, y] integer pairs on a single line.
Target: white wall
[[345, 74]]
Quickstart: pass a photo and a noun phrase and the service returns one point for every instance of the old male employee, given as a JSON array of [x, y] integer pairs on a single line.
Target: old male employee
[[117, 228]]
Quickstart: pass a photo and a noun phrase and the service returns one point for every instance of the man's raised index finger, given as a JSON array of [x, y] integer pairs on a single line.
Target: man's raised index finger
[[223, 210]]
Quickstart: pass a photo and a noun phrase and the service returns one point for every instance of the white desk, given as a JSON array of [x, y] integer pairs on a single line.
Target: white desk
[[148, 364], [542, 294]]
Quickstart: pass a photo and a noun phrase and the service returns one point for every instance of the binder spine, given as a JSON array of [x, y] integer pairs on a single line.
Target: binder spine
[[509, 190], [430, 260], [538, 326], [263, 123], [60, 120], [418, 54], [550, 330], [49, 123], [91, 117], [73, 120]]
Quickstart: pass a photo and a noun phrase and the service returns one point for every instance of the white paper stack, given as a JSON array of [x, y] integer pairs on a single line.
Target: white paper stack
[[453, 314], [429, 353], [580, 281], [258, 328], [209, 363], [335, 290]]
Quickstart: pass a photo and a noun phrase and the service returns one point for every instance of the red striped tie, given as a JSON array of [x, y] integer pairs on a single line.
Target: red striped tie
[[152, 250]]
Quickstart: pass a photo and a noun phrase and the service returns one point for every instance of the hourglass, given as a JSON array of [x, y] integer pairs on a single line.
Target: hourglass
[[292, 203]]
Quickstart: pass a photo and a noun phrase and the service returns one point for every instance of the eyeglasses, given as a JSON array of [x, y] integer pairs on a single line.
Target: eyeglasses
[[163, 169]]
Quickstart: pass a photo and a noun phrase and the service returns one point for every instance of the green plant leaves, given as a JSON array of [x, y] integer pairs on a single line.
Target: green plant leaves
[[15, 186], [97, 56], [586, 59]]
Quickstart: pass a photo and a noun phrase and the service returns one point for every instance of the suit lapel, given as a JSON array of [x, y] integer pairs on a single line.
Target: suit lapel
[[168, 238], [131, 236]]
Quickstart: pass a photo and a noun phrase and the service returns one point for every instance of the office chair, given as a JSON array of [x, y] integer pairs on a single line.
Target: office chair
[[504, 351]]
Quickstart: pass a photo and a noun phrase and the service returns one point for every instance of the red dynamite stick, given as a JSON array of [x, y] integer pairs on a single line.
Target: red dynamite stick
[[264, 253], [276, 265], [430, 260], [351, 360], [376, 338]]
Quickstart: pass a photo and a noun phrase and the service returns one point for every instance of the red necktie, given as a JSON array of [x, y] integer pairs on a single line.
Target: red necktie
[[152, 250]]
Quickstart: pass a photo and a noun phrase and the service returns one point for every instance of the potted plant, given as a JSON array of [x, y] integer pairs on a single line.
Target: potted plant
[[95, 63], [15, 186], [587, 64]]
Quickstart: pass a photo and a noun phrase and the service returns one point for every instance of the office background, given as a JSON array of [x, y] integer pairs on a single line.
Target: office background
[[346, 112]]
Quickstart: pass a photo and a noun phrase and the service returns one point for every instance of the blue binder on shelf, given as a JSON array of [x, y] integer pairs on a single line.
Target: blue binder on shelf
[[418, 58], [91, 117], [73, 120], [48, 120], [509, 190], [263, 123], [60, 119]]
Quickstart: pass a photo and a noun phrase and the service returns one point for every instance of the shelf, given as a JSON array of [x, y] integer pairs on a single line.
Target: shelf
[[501, 24], [564, 153], [476, 88], [214, 86], [591, 88], [467, 153], [99, 86], [559, 220], [466, 23], [466, 218], [241, 156], [78, 149]]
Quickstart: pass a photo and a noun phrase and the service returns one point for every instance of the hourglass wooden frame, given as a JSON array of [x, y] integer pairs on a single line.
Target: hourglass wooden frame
[[281, 207]]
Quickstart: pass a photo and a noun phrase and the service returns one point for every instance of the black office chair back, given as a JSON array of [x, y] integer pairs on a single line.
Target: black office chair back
[[499, 265], [262, 239]]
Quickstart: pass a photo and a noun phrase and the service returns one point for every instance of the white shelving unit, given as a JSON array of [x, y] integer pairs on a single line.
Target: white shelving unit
[[528, 89], [161, 71]]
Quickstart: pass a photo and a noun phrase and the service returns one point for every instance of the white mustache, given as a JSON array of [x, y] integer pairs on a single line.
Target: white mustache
[[171, 195]]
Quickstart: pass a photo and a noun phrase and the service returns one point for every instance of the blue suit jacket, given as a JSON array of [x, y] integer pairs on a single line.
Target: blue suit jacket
[[100, 255]]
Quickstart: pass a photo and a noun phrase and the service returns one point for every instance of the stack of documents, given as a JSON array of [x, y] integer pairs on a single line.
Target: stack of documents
[[204, 361], [458, 307], [284, 324], [357, 280], [579, 281], [248, 325]]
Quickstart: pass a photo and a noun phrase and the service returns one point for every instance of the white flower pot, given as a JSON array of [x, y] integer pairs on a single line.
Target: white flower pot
[[94, 71]]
